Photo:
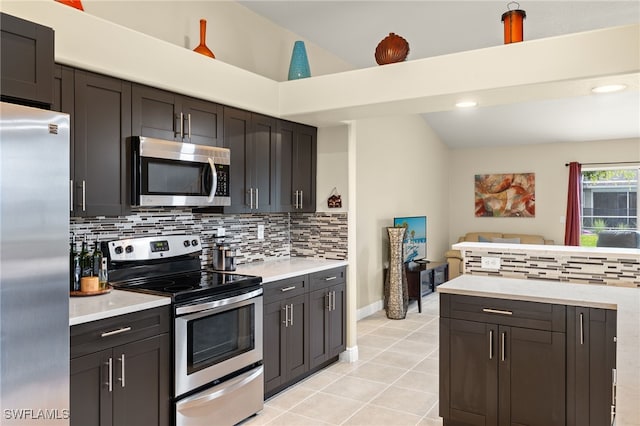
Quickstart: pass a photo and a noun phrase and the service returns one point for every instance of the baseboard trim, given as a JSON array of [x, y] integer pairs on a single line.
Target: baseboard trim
[[349, 354], [369, 310]]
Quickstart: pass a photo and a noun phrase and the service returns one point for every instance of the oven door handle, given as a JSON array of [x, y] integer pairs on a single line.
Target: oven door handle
[[230, 386], [217, 303]]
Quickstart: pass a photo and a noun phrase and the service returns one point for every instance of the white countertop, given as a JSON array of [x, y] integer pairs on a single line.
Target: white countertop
[[118, 302], [625, 300], [279, 269], [542, 249]]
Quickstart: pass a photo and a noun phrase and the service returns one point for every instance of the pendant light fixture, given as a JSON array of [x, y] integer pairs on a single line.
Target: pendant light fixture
[[513, 20]]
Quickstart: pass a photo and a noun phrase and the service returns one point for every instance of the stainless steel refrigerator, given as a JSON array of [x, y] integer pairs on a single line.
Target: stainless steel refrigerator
[[34, 266]]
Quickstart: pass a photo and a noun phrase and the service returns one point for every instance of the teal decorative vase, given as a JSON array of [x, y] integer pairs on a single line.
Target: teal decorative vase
[[299, 66]]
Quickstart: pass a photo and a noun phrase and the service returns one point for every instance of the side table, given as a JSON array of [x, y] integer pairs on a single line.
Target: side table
[[423, 279]]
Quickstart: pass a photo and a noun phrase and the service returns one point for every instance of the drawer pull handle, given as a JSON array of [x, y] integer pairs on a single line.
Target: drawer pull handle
[[110, 378], [330, 278], [503, 346], [293, 287], [111, 333], [496, 311], [581, 328]]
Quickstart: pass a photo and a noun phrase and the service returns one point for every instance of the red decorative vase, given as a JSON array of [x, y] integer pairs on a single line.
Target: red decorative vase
[[202, 47], [392, 48]]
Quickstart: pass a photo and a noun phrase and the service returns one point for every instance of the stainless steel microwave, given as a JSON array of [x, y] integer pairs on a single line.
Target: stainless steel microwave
[[168, 173]]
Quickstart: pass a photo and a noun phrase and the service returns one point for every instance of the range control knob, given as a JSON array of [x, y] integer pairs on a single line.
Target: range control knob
[[194, 242], [186, 243], [128, 249], [118, 249]]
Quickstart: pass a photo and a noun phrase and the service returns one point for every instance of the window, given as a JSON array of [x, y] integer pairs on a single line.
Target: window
[[609, 201]]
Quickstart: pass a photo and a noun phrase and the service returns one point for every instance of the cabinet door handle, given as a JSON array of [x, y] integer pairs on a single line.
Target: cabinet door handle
[[614, 384], [301, 198], [189, 125], [121, 379], [496, 311], [293, 287], [110, 378], [181, 125], [84, 195], [334, 299], [286, 316], [503, 338], [257, 198], [291, 315], [329, 301], [250, 198], [118, 331], [581, 328], [296, 203], [490, 344], [71, 195]]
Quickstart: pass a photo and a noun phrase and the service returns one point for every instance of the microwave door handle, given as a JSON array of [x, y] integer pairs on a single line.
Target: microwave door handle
[[214, 180]]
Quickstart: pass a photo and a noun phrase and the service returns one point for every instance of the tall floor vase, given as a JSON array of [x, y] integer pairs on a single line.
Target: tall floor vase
[[396, 297]]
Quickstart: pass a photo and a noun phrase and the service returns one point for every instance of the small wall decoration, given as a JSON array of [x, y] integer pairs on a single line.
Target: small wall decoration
[[392, 48], [505, 195], [334, 201], [415, 238]]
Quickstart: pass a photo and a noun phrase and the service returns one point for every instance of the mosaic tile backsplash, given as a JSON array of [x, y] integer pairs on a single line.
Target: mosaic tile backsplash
[[319, 235], [591, 269]]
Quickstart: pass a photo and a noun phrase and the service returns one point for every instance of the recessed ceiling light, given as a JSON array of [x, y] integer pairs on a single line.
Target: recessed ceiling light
[[466, 104], [608, 88]]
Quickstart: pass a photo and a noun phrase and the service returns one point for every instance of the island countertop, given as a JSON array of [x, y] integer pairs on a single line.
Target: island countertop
[[626, 301]]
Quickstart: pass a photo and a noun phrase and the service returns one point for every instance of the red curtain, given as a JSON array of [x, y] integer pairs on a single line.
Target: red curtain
[[572, 226]]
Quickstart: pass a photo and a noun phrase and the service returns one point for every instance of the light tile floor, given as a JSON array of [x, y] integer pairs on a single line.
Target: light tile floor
[[395, 381]]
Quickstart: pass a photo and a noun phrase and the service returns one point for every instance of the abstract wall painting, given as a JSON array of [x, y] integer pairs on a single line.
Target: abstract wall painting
[[505, 195]]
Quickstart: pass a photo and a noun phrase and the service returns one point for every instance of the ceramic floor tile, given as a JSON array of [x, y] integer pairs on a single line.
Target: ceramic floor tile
[[378, 373], [390, 332], [379, 342], [263, 417], [393, 358], [428, 365], [416, 380], [355, 388], [289, 398], [412, 346], [411, 401], [293, 419], [331, 409], [320, 380], [372, 415], [367, 353]]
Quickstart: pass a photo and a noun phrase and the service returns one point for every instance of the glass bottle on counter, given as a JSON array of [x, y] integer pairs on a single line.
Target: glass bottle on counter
[[75, 271], [85, 260], [96, 260], [103, 277]]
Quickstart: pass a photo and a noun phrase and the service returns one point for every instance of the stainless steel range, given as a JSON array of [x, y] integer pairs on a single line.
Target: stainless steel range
[[218, 372]]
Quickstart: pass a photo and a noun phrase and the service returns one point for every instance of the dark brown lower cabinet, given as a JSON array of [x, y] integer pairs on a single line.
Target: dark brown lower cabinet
[[286, 333], [495, 373], [304, 326], [328, 315], [126, 384], [591, 351]]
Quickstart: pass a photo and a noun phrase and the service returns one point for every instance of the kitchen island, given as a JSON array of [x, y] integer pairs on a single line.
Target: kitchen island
[[625, 301]]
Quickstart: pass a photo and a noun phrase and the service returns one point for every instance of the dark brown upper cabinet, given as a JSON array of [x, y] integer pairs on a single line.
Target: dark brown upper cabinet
[[165, 115], [296, 154], [252, 139], [26, 62]]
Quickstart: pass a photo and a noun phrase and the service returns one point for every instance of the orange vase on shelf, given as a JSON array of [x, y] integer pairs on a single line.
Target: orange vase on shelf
[[202, 47], [73, 3]]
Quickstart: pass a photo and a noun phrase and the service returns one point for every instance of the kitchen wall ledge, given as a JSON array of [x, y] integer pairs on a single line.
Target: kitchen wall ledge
[[625, 300], [118, 302], [279, 269], [332, 98], [544, 249]]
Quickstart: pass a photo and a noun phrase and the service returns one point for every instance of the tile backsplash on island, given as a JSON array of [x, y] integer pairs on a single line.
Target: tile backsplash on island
[[322, 235]]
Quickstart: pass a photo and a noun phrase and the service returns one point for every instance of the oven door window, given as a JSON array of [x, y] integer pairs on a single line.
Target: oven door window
[[220, 336], [171, 177]]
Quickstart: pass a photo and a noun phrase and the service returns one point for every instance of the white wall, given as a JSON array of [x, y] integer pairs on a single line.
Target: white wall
[[235, 34], [401, 170], [333, 167], [547, 161]]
